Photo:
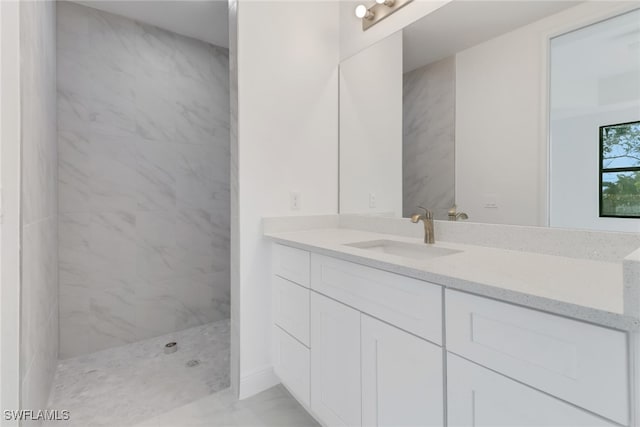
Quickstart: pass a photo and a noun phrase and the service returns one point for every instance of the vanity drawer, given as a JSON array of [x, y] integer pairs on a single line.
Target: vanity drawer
[[291, 308], [581, 363], [291, 264], [291, 364], [409, 304]]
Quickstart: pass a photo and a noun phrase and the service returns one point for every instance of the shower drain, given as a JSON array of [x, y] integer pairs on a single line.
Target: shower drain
[[192, 363], [171, 347]]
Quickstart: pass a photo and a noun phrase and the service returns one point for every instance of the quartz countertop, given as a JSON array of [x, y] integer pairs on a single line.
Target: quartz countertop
[[582, 289]]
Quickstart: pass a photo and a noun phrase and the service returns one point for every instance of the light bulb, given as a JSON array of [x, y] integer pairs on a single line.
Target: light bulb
[[361, 11], [388, 3]]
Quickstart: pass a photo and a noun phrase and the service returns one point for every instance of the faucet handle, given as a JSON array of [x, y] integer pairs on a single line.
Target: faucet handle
[[427, 213]]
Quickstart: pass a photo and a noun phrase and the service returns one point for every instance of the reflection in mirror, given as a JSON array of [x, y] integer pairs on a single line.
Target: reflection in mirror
[[470, 127], [428, 117], [620, 170], [595, 125]]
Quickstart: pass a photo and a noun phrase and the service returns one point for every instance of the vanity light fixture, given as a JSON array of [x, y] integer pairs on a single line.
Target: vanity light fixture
[[380, 10], [363, 13]]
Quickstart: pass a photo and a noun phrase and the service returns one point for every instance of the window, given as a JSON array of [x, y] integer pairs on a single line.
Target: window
[[620, 170]]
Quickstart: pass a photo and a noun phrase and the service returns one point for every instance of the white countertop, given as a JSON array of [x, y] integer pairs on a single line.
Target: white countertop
[[582, 289]]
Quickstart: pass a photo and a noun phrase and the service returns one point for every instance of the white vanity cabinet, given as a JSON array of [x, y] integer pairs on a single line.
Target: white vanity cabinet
[[409, 304], [366, 372], [402, 377], [583, 364], [361, 369], [290, 307], [478, 397], [335, 362], [398, 378], [360, 346]]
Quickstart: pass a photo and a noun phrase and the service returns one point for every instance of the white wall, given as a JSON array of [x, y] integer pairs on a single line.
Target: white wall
[[234, 220], [371, 129], [501, 121], [287, 141], [498, 129], [353, 39], [584, 63]]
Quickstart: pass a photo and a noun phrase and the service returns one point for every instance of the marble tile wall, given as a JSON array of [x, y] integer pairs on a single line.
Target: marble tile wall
[[39, 292], [428, 128], [143, 119]]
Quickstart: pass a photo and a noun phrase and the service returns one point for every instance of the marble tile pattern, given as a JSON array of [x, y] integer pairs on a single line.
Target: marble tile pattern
[[39, 292], [428, 140], [143, 180], [274, 407], [129, 384]]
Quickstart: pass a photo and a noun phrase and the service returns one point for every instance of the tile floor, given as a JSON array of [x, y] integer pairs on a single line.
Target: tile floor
[[272, 408], [129, 384], [138, 385]]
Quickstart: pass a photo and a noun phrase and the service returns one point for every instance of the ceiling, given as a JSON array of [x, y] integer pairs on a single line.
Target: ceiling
[[607, 56], [456, 26], [462, 24], [205, 20]]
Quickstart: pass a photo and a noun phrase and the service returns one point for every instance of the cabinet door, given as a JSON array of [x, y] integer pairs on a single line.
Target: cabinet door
[[583, 364], [479, 397], [402, 377], [335, 362], [291, 364]]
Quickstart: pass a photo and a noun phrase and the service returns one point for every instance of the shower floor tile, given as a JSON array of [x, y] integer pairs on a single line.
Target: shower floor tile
[[129, 384]]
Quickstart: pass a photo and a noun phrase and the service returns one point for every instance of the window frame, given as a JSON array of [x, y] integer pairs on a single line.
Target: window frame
[[611, 170]]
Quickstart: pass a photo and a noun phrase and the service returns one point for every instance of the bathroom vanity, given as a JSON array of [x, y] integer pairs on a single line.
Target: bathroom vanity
[[493, 325], [380, 329]]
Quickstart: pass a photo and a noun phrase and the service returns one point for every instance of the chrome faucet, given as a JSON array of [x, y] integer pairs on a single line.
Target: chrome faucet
[[454, 215], [427, 218]]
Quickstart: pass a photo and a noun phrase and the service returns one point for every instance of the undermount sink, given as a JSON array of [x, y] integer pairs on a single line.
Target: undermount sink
[[403, 249]]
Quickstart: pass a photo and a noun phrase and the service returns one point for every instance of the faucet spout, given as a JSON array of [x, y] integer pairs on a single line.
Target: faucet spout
[[427, 219], [429, 235]]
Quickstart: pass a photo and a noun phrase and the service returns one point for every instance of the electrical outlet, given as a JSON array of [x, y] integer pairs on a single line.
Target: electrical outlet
[[372, 200], [294, 201]]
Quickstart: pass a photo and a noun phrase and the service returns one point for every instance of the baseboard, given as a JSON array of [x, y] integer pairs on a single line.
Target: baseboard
[[257, 381]]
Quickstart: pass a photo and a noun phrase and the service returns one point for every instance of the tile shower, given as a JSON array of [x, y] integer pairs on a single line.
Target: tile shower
[[142, 217], [143, 181]]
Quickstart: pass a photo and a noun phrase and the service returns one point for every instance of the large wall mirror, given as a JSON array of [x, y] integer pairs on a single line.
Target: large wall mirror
[[504, 110]]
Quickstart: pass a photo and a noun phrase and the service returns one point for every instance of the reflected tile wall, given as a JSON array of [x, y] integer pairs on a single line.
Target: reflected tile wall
[[428, 140], [143, 199], [39, 285]]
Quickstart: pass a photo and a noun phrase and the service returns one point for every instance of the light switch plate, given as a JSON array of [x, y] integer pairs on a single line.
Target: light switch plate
[[372, 200], [295, 201]]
